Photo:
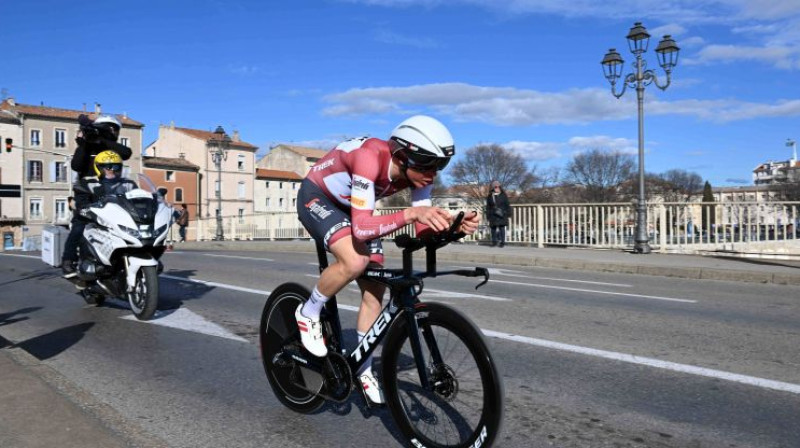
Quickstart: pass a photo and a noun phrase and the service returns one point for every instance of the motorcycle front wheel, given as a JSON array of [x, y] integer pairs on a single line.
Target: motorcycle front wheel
[[144, 297]]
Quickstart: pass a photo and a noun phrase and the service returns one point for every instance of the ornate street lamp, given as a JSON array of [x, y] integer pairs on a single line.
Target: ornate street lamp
[[219, 146], [667, 52]]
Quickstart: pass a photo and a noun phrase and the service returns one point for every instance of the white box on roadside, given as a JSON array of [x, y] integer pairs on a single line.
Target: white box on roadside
[[53, 240]]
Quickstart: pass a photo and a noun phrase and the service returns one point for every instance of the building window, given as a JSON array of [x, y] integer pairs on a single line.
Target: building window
[[124, 141], [36, 137], [268, 202], [179, 195], [241, 216], [294, 203], [294, 185], [240, 162], [60, 172], [280, 203], [280, 185], [266, 184], [34, 170], [170, 176], [216, 188], [241, 190], [61, 209], [35, 208], [61, 138]]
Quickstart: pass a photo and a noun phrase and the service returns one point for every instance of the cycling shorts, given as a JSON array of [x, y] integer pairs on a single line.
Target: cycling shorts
[[326, 222]]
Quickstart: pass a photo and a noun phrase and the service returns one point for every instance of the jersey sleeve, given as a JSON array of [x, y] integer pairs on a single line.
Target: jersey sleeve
[[367, 225], [421, 197]]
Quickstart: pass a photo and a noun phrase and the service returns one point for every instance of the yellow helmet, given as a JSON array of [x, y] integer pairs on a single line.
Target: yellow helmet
[[107, 160]]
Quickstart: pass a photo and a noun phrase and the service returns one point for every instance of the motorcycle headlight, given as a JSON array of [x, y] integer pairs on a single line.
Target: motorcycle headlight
[[144, 230], [132, 232]]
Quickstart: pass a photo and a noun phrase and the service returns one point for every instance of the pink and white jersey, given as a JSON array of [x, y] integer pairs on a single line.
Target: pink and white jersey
[[354, 175]]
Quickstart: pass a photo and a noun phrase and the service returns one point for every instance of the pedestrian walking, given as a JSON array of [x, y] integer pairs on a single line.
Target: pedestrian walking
[[183, 222]]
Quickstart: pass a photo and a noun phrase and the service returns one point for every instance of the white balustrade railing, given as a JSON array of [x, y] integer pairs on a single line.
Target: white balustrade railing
[[761, 227]]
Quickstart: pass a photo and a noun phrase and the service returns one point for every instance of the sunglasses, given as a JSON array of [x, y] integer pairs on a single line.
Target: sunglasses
[[112, 166], [424, 163]]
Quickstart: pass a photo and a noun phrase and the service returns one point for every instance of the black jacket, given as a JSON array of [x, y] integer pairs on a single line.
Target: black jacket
[[90, 145], [498, 209], [83, 159]]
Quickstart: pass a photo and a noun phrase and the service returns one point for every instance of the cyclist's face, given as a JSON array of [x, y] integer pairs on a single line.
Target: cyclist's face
[[421, 178]]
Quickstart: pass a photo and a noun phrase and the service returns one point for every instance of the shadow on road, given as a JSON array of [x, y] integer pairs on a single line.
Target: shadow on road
[[172, 293], [35, 275], [764, 262], [51, 344]]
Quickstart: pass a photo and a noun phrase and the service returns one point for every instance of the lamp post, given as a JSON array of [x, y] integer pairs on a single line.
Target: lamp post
[[667, 52], [219, 152], [792, 144]]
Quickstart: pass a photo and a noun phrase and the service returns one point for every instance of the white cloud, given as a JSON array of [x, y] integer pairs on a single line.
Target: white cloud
[[780, 57], [672, 29], [534, 150], [615, 144], [508, 106]]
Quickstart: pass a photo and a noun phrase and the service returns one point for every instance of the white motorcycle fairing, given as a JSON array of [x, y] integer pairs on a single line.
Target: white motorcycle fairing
[[132, 266]]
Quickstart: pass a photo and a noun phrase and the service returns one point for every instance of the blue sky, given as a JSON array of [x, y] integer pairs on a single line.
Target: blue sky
[[525, 74]]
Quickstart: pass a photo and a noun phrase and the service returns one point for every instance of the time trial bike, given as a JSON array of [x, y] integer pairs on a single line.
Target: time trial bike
[[440, 381]]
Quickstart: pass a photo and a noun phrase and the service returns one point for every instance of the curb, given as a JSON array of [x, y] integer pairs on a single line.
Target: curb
[[695, 273]]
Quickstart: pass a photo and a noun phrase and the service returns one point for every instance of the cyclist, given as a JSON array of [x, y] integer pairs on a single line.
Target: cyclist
[[336, 204]]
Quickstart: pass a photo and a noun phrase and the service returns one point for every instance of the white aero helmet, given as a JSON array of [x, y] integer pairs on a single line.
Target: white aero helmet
[[423, 143]]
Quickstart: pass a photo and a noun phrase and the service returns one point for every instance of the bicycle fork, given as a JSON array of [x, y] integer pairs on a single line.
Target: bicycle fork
[[414, 331]]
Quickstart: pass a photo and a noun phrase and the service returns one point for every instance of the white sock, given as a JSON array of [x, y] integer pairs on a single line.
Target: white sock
[[366, 368], [314, 304]]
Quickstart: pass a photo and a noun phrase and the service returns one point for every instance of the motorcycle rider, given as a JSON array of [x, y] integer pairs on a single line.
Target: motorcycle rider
[[94, 137]]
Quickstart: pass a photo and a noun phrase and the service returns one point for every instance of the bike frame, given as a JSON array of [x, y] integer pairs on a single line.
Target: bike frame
[[404, 286]]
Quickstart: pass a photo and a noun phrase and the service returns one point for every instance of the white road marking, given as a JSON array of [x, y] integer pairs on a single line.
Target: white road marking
[[624, 357], [239, 257], [218, 285], [429, 292], [185, 319], [650, 362], [536, 285]]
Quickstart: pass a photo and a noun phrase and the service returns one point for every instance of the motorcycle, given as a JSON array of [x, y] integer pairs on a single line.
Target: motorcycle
[[121, 247]]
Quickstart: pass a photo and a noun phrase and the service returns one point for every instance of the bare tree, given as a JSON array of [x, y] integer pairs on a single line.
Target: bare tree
[[599, 173], [681, 184], [487, 162]]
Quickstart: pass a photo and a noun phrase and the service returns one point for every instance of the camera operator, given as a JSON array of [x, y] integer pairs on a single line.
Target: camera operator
[[94, 137]]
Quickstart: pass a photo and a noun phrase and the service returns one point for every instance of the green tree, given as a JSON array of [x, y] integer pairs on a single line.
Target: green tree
[[709, 215]]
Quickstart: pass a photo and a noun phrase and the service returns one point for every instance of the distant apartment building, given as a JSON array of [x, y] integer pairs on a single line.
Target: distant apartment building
[[46, 144], [230, 187], [180, 178], [279, 174], [11, 205], [276, 190]]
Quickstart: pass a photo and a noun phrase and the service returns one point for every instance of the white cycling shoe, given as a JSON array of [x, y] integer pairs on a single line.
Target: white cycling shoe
[[311, 334], [372, 389]]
